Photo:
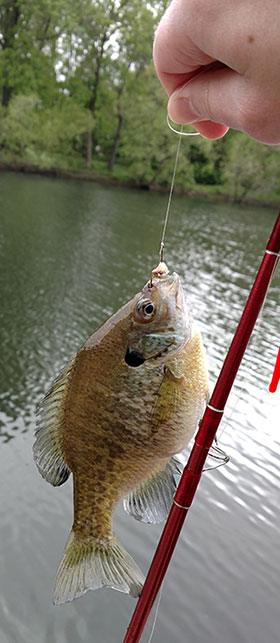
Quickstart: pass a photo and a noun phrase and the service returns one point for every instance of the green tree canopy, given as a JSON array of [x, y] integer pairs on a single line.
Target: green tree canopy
[[78, 90]]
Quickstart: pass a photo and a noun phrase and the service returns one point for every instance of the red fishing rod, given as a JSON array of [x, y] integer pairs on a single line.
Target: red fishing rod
[[204, 438]]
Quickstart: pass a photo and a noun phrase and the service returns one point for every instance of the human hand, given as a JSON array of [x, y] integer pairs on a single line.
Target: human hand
[[219, 62]]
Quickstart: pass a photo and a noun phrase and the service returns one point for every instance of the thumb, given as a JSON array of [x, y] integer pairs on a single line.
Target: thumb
[[212, 101]]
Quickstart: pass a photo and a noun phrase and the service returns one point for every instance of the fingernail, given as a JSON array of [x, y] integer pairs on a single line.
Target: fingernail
[[181, 110]]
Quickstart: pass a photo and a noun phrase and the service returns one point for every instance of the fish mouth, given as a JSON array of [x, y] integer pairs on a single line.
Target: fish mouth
[[133, 358]]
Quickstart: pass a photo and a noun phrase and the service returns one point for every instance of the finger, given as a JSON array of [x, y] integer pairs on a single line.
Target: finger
[[223, 97], [191, 37], [176, 57], [211, 130]]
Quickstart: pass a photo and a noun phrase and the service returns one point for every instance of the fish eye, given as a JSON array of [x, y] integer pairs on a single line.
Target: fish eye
[[148, 309], [145, 309]]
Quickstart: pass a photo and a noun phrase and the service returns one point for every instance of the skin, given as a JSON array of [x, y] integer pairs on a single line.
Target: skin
[[219, 64]]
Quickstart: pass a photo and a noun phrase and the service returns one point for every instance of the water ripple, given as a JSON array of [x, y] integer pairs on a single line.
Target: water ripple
[[71, 254]]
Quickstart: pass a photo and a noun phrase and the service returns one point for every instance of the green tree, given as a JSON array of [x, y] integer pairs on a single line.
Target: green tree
[[148, 147], [29, 35], [134, 57], [110, 41], [9, 18], [44, 137], [250, 168], [87, 50], [77, 87]]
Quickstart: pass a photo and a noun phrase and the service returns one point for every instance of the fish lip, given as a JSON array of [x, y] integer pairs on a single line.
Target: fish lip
[[169, 280], [133, 358]]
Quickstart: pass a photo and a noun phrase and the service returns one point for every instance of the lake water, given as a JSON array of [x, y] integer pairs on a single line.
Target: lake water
[[71, 253]]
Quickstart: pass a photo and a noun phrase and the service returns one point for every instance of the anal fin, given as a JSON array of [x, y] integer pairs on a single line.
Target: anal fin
[[151, 501]]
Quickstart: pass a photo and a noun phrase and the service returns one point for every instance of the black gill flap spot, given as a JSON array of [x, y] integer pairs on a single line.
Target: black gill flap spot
[[133, 358]]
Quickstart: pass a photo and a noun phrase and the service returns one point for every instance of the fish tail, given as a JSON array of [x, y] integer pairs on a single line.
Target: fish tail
[[91, 564]]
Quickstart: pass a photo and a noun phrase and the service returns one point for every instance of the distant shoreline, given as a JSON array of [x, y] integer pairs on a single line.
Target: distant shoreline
[[85, 175]]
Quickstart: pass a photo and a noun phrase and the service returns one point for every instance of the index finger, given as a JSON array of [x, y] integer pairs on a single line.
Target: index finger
[[174, 68], [176, 57]]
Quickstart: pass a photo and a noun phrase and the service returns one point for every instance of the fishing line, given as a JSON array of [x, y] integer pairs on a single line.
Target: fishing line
[[219, 454], [180, 134], [179, 131], [156, 614], [252, 345], [170, 194]]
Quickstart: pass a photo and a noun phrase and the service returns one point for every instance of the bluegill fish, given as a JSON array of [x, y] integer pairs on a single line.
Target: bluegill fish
[[122, 408]]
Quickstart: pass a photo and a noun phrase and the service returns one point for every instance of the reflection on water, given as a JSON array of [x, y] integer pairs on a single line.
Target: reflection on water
[[71, 254]]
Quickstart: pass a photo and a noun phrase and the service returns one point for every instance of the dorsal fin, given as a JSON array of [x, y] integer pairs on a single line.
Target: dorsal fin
[[47, 449]]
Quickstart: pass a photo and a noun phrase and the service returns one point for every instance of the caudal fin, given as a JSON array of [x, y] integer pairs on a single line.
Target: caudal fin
[[90, 564]]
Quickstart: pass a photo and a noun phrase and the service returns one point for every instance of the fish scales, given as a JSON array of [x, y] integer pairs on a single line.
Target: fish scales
[[128, 402]]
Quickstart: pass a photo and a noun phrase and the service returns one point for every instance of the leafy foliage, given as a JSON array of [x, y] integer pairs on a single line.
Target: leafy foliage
[[78, 90]]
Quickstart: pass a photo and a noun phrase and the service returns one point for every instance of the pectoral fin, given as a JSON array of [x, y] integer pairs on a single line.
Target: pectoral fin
[[47, 449], [152, 500]]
